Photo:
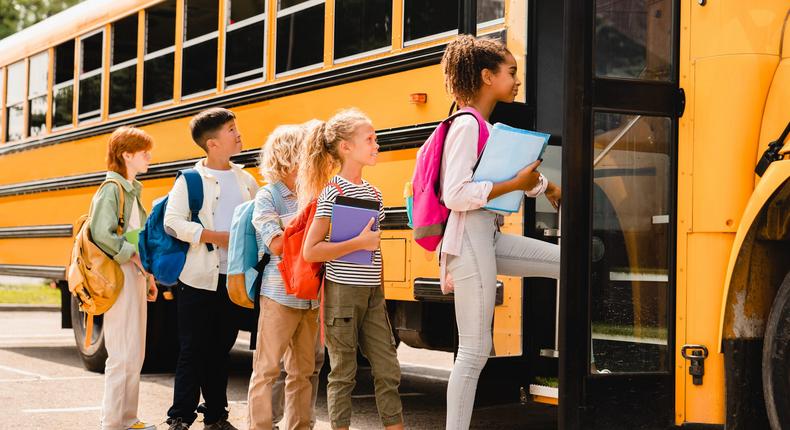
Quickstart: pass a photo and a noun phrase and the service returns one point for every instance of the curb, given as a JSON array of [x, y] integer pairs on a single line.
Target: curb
[[13, 307]]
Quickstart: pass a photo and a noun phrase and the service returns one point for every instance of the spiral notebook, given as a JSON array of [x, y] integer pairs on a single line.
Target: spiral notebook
[[508, 150], [349, 216]]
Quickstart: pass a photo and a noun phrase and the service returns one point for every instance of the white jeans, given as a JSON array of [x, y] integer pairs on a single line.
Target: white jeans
[[485, 253], [124, 338]]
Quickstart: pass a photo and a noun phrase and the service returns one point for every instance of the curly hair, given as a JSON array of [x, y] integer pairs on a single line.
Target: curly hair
[[320, 157], [464, 59], [280, 154]]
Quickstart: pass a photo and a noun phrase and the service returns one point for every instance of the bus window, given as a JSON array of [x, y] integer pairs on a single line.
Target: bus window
[[2, 111], [300, 35], [546, 217], [63, 86], [245, 41], [633, 39], [199, 70], [15, 101], [429, 19], [631, 239], [37, 93], [159, 60], [362, 26], [123, 68], [490, 12], [91, 56]]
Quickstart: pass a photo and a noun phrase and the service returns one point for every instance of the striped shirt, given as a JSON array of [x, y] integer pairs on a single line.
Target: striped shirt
[[339, 271], [268, 225]]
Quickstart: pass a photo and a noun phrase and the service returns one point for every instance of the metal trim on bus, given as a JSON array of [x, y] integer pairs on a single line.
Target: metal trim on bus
[[49, 272], [36, 231]]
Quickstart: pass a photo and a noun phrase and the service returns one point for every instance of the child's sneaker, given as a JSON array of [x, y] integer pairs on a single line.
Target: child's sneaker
[[177, 424], [222, 424], [139, 425]]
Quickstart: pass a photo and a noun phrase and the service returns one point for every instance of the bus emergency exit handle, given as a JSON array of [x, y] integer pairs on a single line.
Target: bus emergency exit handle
[[696, 354]]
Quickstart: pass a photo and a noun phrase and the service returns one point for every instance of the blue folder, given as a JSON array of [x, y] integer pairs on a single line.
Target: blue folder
[[507, 151], [349, 217]]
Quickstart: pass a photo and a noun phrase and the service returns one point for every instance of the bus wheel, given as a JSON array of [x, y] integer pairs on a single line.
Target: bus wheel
[[95, 355], [776, 358]]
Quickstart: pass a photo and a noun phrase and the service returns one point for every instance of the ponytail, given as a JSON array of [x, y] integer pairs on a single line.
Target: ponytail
[[320, 158]]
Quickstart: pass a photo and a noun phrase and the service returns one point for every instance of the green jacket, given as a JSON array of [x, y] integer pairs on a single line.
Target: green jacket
[[104, 219]]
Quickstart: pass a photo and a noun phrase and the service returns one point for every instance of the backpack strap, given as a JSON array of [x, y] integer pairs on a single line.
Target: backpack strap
[[121, 198], [279, 203], [194, 195]]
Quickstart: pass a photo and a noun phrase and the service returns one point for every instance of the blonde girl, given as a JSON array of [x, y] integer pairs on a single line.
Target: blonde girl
[[128, 154], [479, 73], [354, 312]]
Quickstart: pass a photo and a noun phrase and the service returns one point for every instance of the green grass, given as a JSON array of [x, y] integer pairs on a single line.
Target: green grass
[[629, 330], [547, 381], [35, 294]]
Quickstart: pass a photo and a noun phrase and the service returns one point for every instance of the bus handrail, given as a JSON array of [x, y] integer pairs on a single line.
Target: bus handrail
[[616, 139]]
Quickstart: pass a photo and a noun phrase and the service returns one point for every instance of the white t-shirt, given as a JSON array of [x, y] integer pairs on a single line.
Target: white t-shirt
[[229, 198]]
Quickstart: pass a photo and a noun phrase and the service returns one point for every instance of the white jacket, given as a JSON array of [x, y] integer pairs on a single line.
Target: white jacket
[[201, 269]]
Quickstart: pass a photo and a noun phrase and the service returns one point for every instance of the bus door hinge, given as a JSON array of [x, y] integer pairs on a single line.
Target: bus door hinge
[[771, 153], [696, 354]]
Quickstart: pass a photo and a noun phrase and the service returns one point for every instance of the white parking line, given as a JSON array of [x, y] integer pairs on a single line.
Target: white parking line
[[22, 372], [58, 410]]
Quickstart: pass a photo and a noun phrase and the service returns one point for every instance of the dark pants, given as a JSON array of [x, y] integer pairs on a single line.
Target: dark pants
[[207, 329]]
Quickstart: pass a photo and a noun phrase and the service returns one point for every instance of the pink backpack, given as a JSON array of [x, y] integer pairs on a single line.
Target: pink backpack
[[429, 214]]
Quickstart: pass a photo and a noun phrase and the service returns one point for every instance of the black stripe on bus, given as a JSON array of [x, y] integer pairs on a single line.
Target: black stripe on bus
[[388, 139], [49, 272], [36, 231], [385, 66]]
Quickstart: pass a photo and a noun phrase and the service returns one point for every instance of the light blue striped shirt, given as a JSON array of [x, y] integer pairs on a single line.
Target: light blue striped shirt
[[268, 225]]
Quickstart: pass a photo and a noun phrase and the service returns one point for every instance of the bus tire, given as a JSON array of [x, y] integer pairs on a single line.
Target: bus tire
[[94, 356], [776, 359]]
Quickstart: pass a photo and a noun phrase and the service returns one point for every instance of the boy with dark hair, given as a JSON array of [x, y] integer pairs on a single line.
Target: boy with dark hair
[[207, 325]]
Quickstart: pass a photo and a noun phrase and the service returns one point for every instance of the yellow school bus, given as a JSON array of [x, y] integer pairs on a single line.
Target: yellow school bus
[[674, 298]]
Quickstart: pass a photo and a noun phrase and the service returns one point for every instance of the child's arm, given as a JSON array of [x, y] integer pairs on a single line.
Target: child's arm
[[317, 250], [178, 220], [267, 222]]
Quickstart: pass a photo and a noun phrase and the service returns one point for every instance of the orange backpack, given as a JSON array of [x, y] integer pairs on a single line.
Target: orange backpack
[[302, 279]]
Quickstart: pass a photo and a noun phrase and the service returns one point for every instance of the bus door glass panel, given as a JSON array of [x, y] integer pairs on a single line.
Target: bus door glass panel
[[633, 39], [630, 244]]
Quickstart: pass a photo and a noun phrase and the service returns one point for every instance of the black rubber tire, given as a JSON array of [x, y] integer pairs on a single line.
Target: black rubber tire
[[94, 356], [776, 359]]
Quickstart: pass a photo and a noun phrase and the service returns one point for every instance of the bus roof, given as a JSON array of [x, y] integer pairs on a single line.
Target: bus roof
[[68, 24]]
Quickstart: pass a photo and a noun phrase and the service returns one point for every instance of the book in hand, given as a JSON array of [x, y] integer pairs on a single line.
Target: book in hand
[[349, 217], [508, 150]]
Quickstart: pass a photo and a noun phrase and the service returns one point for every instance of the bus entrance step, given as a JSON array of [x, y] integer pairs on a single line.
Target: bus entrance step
[[544, 394]]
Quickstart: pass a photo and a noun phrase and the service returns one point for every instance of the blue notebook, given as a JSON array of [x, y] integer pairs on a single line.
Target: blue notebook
[[349, 217], [507, 151]]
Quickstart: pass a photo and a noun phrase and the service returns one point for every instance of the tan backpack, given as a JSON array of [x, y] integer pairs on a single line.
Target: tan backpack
[[94, 278]]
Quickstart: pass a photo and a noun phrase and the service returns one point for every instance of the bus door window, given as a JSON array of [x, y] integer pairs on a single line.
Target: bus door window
[[15, 101], [63, 86], [300, 35], [630, 244], [90, 80], [123, 66], [159, 60], [245, 42], [37, 93]]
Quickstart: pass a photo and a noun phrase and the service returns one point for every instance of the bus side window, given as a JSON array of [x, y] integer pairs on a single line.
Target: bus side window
[[91, 56], [63, 86], [123, 69], [362, 26], [300, 35], [245, 42], [160, 27], [199, 71], [38, 74], [15, 101]]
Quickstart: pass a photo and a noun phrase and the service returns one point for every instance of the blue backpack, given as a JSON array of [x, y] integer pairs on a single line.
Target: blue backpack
[[244, 268], [163, 255]]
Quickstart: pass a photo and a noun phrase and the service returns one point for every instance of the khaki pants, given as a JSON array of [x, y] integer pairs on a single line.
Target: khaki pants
[[278, 390], [124, 338], [356, 317], [288, 335]]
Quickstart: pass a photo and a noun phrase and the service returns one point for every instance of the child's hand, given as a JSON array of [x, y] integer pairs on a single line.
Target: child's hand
[[554, 195], [152, 290], [527, 178], [369, 240]]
